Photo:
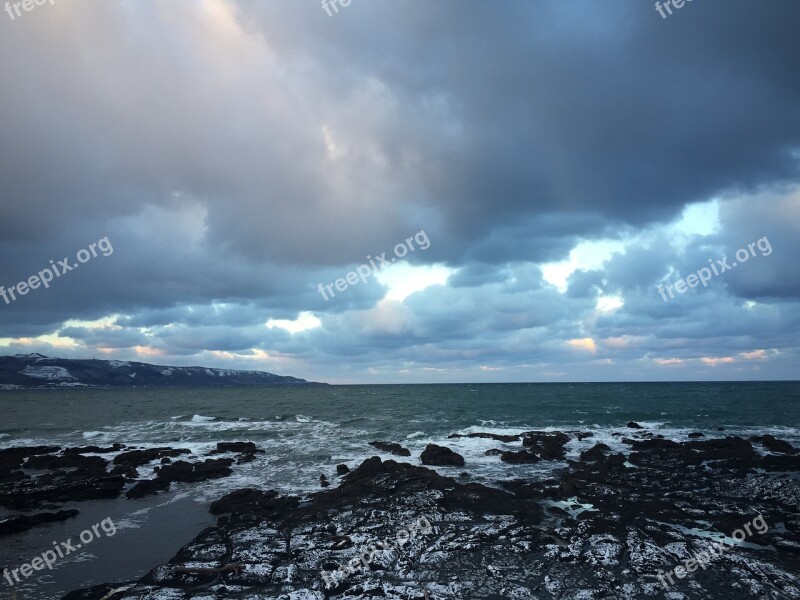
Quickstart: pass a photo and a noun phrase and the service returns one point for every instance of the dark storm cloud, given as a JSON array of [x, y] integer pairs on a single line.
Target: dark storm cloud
[[582, 105], [239, 154]]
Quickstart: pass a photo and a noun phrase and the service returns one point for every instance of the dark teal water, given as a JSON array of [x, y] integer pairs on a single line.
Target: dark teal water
[[308, 431]]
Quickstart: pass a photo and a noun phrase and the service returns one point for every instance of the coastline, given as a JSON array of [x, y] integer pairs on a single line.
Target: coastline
[[606, 524]]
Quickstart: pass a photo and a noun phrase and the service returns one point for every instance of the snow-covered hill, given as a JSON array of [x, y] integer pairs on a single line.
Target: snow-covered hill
[[36, 370]]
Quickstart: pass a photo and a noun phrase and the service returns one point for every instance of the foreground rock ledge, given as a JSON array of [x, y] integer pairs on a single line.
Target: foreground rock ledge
[[602, 529]]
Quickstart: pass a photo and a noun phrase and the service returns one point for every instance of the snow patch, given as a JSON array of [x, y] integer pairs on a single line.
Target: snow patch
[[48, 373]]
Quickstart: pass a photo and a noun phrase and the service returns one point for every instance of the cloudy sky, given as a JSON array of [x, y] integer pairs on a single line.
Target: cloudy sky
[[557, 160]]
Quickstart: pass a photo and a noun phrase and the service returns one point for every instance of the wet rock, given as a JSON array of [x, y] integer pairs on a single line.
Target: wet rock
[[441, 456], [696, 434], [59, 487], [773, 444], [238, 447], [13, 458], [94, 449], [264, 503], [247, 458], [195, 472], [391, 448], [138, 458], [596, 452], [147, 487], [67, 461], [124, 470], [547, 445], [519, 458], [323, 481], [16, 524], [181, 471], [342, 469], [634, 425], [620, 528]]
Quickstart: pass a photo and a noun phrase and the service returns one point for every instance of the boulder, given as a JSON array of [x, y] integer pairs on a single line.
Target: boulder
[[391, 448], [441, 456], [519, 458]]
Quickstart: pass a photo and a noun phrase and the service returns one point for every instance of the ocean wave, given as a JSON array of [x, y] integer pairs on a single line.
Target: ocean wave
[[202, 419]]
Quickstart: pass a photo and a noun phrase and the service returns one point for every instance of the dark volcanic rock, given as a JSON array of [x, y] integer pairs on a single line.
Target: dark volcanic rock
[[695, 434], [618, 528], [342, 469], [240, 447], [181, 471], [391, 448], [68, 477], [596, 452], [268, 546], [67, 461], [547, 445], [441, 456], [94, 449], [147, 487], [24, 522], [267, 504], [13, 458], [196, 472], [634, 425], [773, 444], [138, 458], [125, 470], [519, 458]]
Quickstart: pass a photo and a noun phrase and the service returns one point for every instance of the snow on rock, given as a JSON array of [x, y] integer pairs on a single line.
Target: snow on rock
[[48, 373]]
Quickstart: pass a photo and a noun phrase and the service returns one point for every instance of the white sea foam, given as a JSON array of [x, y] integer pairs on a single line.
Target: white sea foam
[[202, 419]]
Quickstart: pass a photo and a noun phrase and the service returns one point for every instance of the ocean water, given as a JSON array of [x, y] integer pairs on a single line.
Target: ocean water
[[306, 432]]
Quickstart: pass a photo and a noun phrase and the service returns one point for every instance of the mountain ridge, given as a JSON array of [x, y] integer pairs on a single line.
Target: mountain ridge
[[25, 371]]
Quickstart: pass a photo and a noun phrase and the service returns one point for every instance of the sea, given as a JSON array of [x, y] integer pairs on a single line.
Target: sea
[[307, 431]]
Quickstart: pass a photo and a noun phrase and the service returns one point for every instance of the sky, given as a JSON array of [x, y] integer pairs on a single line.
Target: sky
[[535, 169]]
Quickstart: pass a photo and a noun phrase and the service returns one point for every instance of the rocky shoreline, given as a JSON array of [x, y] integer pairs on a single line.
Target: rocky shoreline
[[604, 526]]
